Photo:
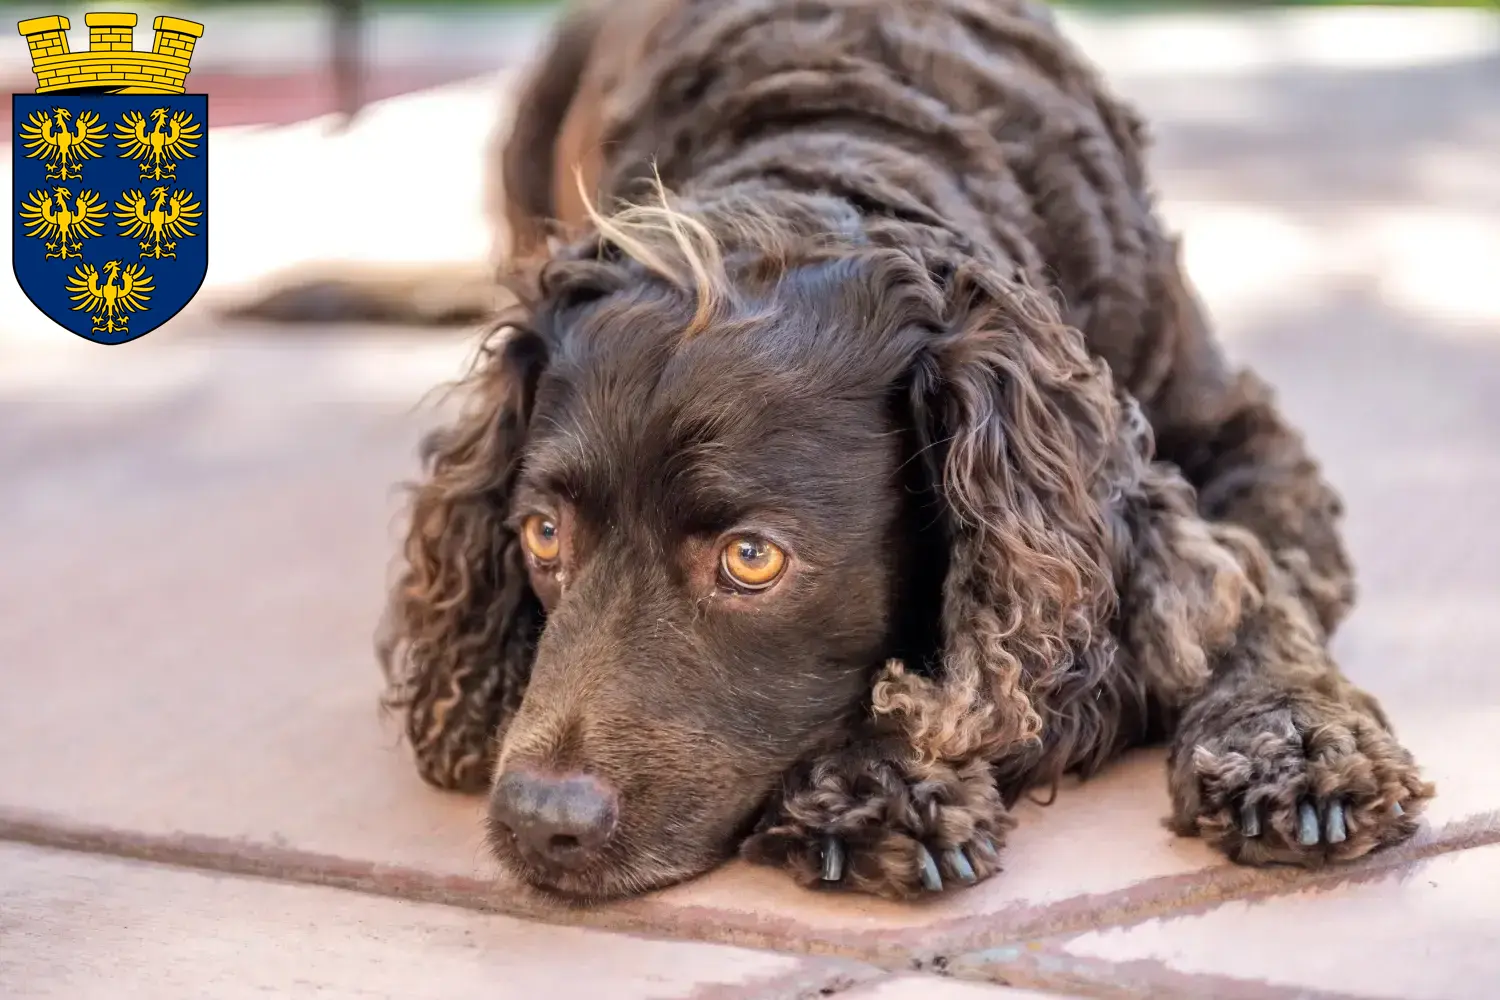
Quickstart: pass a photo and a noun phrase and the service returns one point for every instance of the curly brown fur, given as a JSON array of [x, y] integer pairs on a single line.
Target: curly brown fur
[[462, 624], [1280, 732], [911, 316], [884, 810]]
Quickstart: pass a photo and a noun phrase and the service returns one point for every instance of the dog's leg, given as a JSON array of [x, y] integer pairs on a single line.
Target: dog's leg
[[870, 817], [1280, 758], [1223, 428], [1276, 756]]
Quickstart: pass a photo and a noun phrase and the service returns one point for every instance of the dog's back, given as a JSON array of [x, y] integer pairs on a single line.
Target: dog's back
[[977, 116], [663, 73]]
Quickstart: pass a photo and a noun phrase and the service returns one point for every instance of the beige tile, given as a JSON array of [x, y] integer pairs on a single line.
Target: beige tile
[[933, 988], [77, 927], [1430, 932], [192, 579]]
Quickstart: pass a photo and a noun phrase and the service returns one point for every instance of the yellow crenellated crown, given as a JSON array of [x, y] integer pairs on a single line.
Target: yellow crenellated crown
[[111, 65]]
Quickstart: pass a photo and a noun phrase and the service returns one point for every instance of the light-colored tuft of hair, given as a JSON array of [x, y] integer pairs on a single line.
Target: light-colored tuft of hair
[[673, 245]]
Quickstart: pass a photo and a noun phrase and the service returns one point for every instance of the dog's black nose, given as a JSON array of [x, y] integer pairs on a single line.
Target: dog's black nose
[[564, 819]]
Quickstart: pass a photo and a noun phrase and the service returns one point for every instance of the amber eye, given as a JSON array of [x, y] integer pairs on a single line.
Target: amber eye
[[542, 538], [752, 563]]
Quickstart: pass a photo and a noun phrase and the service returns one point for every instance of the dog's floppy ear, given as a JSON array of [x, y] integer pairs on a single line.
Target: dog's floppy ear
[[462, 622], [1016, 423]]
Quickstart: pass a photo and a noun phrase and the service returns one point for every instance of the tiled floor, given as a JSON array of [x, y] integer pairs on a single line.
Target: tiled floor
[[194, 533], [105, 928]]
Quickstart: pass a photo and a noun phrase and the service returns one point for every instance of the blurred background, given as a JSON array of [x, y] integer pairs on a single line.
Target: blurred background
[[1335, 170], [195, 528]]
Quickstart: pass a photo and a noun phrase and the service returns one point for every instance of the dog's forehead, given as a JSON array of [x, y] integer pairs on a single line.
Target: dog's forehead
[[756, 377], [766, 405]]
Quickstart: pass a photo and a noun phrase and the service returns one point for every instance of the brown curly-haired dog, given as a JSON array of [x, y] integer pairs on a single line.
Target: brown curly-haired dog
[[884, 470]]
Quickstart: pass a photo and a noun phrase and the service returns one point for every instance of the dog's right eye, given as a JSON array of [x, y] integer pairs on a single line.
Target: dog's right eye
[[542, 538], [752, 563]]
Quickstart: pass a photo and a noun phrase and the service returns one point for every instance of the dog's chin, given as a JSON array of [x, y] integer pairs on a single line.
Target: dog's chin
[[610, 879]]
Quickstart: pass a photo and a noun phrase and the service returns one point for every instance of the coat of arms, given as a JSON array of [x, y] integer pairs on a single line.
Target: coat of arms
[[110, 177]]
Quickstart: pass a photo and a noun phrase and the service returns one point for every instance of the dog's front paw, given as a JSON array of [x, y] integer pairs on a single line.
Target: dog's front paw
[[1303, 784], [857, 820]]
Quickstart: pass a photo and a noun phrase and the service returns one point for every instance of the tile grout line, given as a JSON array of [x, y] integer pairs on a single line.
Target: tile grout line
[[934, 949], [1047, 969], [1041, 962], [801, 983], [1172, 897]]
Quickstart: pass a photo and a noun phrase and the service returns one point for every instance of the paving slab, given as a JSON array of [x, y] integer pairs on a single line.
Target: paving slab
[[1427, 931], [76, 927]]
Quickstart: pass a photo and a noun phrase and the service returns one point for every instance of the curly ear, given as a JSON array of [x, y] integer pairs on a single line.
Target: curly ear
[[462, 623], [1020, 427]]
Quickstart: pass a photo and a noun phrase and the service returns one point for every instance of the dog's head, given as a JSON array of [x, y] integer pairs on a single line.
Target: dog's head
[[701, 499]]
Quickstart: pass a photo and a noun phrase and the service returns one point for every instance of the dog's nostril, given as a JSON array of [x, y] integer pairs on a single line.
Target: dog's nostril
[[563, 819]]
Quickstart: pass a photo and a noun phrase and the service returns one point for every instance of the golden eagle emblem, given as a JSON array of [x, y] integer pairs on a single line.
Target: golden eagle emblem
[[169, 217], [61, 225], [47, 136], [109, 302], [171, 137]]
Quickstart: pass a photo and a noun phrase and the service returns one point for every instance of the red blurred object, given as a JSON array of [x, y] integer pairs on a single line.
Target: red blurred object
[[283, 98]]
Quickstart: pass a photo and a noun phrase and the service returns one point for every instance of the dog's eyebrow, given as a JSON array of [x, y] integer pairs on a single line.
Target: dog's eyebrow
[[557, 465], [710, 505], [719, 486]]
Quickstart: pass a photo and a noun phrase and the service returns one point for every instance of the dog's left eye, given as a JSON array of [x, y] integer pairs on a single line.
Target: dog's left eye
[[752, 563], [541, 537]]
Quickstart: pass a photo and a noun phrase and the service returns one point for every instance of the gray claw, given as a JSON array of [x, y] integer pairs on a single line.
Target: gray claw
[[959, 862], [1307, 825], [1396, 810], [931, 880], [833, 859], [986, 846], [1250, 821], [1334, 827]]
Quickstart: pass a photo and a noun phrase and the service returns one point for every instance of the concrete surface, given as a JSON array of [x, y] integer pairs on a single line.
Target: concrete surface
[[1427, 934], [194, 532], [119, 930]]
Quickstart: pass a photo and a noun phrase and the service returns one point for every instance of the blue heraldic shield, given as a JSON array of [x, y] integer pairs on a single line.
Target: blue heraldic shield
[[109, 207]]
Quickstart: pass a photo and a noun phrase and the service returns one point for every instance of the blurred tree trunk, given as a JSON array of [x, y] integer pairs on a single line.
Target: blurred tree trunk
[[347, 58]]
